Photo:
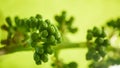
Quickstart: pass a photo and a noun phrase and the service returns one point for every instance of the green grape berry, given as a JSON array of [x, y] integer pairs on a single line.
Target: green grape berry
[[102, 52], [72, 65], [4, 27], [44, 57], [44, 25], [37, 58], [17, 21], [96, 32], [48, 22], [57, 34], [57, 18], [96, 56], [44, 33], [52, 39], [73, 30], [106, 42], [89, 36], [33, 22], [8, 20], [35, 36], [51, 29], [103, 34], [39, 50], [99, 41], [89, 55], [48, 49], [38, 16]]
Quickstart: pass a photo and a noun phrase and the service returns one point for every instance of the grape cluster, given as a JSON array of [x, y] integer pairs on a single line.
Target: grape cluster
[[115, 24], [38, 33], [97, 42], [63, 23]]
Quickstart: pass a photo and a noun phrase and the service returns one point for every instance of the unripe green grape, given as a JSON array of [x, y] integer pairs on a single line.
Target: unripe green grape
[[99, 41], [33, 22], [73, 30], [44, 33], [102, 52], [44, 25], [51, 39], [47, 21], [96, 56], [72, 65], [37, 58], [38, 62], [89, 55], [33, 43], [28, 22], [63, 16], [38, 16], [103, 33], [59, 40], [111, 23], [4, 27], [44, 57], [17, 21], [89, 36], [8, 20], [51, 29], [39, 50], [48, 49], [96, 32], [70, 21], [57, 33], [43, 39], [57, 18], [38, 26], [35, 36], [106, 42]]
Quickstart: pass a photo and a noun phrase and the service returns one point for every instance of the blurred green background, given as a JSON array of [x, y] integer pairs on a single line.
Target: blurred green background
[[87, 13]]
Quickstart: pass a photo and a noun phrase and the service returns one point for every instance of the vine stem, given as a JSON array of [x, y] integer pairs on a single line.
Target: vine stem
[[4, 50]]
